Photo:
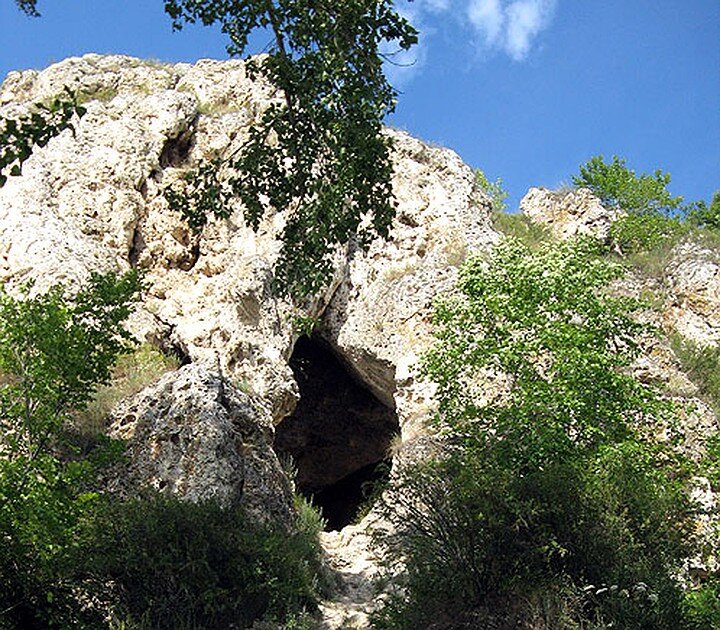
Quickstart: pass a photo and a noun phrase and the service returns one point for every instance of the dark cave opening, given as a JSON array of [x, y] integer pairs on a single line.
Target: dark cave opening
[[338, 437]]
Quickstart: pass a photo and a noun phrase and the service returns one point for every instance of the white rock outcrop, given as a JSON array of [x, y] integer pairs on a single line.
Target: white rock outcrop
[[693, 281], [92, 201], [196, 435], [568, 212]]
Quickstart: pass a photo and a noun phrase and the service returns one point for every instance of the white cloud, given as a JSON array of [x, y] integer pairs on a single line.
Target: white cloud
[[507, 26], [488, 18], [436, 6], [525, 20], [510, 26]]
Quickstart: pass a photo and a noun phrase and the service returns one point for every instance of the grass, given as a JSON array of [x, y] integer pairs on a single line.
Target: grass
[[520, 227], [702, 366], [133, 373], [104, 94]]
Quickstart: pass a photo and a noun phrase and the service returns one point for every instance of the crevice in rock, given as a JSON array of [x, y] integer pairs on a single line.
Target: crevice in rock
[[177, 150], [137, 246], [190, 259], [168, 344], [338, 437]]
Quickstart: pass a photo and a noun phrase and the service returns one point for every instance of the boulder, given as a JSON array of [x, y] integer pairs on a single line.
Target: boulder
[[568, 212], [199, 437]]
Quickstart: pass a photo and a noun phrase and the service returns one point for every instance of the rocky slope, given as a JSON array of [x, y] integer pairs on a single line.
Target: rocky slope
[[92, 200]]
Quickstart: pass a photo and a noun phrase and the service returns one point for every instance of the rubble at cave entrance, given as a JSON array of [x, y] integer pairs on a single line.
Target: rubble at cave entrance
[[338, 437]]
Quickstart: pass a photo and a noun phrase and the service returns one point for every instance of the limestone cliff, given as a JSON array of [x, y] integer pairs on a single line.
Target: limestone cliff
[[92, 200]]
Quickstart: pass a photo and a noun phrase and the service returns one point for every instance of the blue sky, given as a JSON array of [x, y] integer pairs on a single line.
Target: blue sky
[[524, 89]]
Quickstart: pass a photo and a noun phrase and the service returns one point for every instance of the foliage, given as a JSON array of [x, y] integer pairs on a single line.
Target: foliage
[[19, 136], [69, 554], [304, 324], [705, 216], [318, 153], [29, 7], [547, 484], [618, 186], [54, 349], [704, 605], [494, 190], [636, 233], [180, 565], [711, 461]]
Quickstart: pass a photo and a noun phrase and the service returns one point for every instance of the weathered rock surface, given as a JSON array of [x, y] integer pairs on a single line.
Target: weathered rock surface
[[379, 317], [693, 282], [197, 436], [92, 200], [568, 212]]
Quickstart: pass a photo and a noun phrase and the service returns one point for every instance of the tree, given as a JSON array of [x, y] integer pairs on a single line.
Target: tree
[[549, 485], [651, 215], [28, 6], [618, 186], [318, 153], [55, 349], [705, 216]]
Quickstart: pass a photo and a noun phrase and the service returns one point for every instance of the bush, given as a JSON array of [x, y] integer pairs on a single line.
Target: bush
[[547, 483], [635, 233], [54, 350], [618, 186], [494, 190], [706, 217], [180, 565], [703, 605], [69, 555]]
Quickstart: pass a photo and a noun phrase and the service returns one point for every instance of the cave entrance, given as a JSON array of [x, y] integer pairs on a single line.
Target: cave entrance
[[338, 437]]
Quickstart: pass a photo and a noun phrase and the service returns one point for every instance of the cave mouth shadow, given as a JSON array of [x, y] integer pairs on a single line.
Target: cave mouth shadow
[[338, 437]]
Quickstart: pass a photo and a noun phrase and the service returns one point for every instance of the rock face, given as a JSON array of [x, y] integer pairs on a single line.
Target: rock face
[[693, 281], [199, 437], [568, 212], [379, 317], [92, 200]]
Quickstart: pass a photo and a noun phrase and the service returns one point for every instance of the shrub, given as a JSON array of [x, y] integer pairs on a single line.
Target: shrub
[[635, 233], [69, 555], [181, 565], [54, 350], [704, 216], [494, 190], [618, 186], [704, 605], [547, 483]]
